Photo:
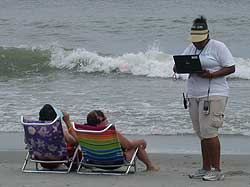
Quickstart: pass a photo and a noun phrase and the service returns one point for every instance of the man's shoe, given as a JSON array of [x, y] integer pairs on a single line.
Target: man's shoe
[[198, 174], [213, 175]]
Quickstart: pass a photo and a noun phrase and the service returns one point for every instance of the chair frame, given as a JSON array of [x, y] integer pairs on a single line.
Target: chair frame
[[131, 163], [29, 159]]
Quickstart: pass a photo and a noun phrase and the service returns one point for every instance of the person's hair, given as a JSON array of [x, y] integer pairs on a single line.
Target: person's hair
[[92, 117], [200, 19], [100, 113], [47, 113]]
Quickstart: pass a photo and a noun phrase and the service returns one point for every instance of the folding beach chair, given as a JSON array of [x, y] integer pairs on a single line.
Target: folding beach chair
[[46, 145], [102, 152]]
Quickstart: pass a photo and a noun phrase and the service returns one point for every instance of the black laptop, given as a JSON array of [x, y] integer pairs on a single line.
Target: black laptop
[[187, 63]]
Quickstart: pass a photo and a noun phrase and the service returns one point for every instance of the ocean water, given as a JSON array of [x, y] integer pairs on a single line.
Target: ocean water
[[115, 56]]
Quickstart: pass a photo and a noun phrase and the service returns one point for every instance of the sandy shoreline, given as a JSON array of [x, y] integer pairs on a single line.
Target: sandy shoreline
[[174, 171], [164, 150]]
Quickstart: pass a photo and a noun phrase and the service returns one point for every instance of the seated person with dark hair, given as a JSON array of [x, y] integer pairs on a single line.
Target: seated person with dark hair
[[97, 118], [49, 113]]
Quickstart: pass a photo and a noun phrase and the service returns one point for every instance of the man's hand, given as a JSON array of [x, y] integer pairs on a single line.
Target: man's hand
[[204, 74]]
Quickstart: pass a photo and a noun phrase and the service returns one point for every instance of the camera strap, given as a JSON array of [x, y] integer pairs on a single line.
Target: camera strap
[[208, 90]]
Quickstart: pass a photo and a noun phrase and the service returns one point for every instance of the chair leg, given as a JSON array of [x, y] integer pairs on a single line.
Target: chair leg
[[80, 165], [39, 170], [25, 161], [72, 159], [131, 161]]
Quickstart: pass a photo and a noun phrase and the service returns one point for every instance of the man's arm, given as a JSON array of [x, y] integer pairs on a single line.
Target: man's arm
[[220, 73]]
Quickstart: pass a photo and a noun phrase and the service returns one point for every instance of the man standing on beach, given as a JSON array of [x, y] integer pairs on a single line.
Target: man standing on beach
[[207, 93]]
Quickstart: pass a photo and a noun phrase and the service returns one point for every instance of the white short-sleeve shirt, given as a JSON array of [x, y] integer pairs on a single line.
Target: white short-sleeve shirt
[[213, 57]]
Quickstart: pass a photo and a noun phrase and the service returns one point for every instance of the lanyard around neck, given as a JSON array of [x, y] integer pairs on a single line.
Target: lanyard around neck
[[199, 52], [202, 48]]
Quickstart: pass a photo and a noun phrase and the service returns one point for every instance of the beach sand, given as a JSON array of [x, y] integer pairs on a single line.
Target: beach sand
[[174, 171]]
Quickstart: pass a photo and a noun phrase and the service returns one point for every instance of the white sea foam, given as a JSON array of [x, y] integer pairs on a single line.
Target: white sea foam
[[242, 68], [152, 63]]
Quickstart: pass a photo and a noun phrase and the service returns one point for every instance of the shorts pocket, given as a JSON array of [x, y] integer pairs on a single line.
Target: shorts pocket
[[217, 120]]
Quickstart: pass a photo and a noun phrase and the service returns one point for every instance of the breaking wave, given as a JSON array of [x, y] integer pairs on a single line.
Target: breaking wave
[[151, 63]]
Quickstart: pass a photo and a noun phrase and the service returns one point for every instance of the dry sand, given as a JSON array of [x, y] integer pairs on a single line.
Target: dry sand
[[173, 173]]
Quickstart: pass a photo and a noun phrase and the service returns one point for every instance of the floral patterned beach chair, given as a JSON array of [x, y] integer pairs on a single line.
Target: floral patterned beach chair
[[46, 145], [102, 152]]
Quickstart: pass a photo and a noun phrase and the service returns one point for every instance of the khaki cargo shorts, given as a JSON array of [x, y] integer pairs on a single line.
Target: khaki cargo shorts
[[207, 125]]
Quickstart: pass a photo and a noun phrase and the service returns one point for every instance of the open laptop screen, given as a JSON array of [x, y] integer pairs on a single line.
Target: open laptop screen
[[187, 63]]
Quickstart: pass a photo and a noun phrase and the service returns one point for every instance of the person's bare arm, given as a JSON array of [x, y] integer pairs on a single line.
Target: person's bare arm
[[220, 73], [71, 131], [69, 138]]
